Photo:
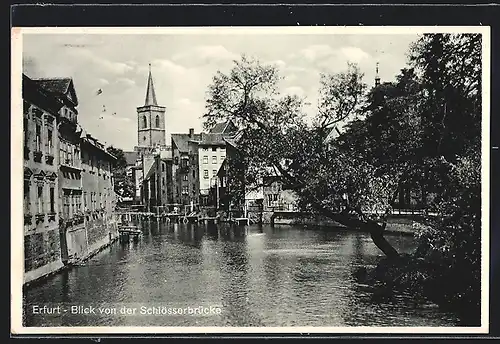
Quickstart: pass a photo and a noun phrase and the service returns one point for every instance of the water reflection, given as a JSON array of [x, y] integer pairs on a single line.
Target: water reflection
[[262, 276]]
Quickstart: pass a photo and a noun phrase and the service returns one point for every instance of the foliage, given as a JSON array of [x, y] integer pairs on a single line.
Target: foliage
[[124, 186], [421, 131]]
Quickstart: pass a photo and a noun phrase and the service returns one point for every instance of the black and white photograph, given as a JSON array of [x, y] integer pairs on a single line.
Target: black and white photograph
[[250, 179]]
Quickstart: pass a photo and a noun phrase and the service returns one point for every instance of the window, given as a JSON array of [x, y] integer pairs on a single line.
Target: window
[[205, 174], [144, 122], [78, 203], [185, 177], [62, 152], [163, 167], [184, 162], [38, 137], [76, 157], [185, 189], [214, 159], [163, 181], [222, 149], [52, 201], [40, 200], [27, 200], [69, 155], [66, 205], [214, 149], [270, 200], [214, 173], [205, 149], [205, 159], [85, 200], [157, 121], [49, 137], [194, 174], [26, 131]]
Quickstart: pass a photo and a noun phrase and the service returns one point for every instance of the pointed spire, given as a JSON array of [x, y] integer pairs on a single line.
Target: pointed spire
[[377, 78], [150, 92]]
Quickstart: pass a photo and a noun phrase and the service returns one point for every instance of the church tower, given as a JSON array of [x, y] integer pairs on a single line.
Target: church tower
[[150, 119], [377, 77]]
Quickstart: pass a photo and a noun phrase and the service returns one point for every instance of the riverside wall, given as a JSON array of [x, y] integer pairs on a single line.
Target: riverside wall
[[49, 254]]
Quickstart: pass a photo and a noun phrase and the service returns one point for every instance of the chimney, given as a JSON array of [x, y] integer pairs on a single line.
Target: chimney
[[191, 133]]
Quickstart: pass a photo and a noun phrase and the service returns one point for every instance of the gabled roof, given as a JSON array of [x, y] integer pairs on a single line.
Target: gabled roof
[[34, 93], [212, 139], [226, 127], [59, 86], [181, 141], [234, 139]]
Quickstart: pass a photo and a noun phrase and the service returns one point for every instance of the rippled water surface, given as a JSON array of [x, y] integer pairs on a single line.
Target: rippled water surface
[[281, 276]]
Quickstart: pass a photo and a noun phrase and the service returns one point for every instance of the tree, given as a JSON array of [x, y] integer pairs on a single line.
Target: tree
[[124, 186], [422, 130], [274, 132]]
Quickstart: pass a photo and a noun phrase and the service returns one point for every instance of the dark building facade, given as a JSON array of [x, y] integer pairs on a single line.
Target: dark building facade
[[59, 229], [185, 168], [42, 244]]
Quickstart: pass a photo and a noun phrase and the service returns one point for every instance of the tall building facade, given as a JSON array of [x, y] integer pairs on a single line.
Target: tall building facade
[[42, 248], [153, 169], [185, 174], [63, 173], [150, 120]]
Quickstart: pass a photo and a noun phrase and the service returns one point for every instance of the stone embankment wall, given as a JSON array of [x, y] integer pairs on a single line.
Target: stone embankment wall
[[46, 252]]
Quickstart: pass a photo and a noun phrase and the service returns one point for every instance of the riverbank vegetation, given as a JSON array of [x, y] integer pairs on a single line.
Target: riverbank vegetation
[[420, 131]]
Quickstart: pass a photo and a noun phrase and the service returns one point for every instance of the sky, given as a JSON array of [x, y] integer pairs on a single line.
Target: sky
[[183, 66]]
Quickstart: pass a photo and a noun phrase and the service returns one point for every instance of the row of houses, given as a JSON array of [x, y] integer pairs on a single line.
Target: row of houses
[[192, 171], [68, 182], [201, 170]]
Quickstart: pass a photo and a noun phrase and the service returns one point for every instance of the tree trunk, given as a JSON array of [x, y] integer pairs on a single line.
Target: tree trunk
[[376, 230], [377, 235]]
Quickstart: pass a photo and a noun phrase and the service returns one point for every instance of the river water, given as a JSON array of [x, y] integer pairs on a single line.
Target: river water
[[281, 276]]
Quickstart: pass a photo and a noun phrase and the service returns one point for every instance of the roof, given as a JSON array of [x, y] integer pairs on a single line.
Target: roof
[[181, 141], [224, 127], [59, 86], [149, 167], [150, 91], [32, 92], [233, 140], [212, 139], [131, 157], [218, 128], [55, 85], [97, 145]]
